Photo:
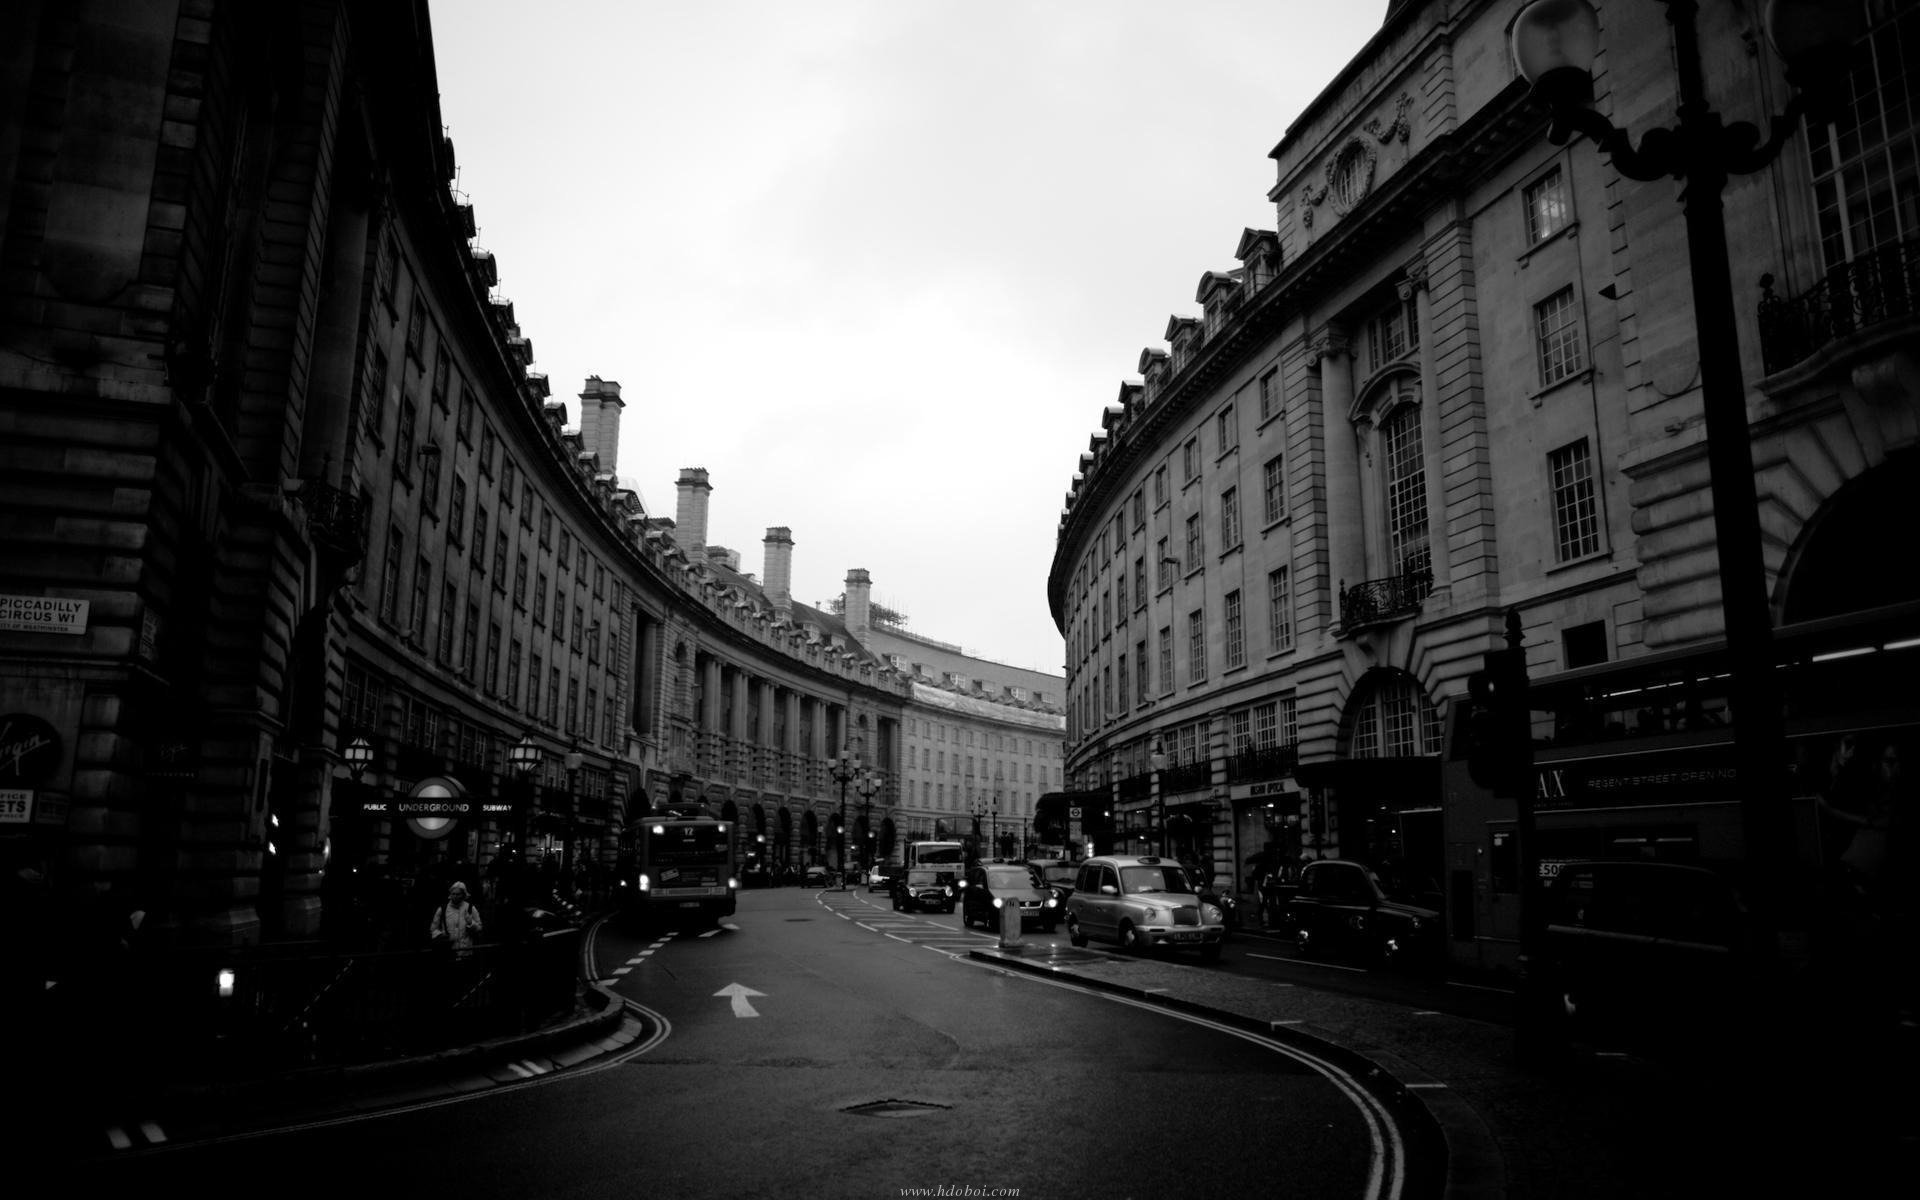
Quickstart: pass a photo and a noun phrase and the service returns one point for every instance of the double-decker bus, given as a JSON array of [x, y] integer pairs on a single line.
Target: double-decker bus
[[682, 867]]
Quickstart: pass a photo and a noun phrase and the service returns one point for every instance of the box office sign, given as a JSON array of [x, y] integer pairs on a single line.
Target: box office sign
[[43, 614]]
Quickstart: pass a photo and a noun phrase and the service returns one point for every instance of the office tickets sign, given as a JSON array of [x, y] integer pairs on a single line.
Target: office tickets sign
[[43, 614]]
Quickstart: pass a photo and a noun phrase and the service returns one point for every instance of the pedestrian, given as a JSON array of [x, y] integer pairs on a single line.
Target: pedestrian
[[456, 924]]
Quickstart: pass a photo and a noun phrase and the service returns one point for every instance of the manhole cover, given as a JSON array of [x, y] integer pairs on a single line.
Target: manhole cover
[[791, 920], [895, 1108]]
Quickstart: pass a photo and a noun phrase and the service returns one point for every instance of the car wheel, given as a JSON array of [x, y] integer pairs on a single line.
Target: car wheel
[[1073, 933], [1130, 939], [896, 904]]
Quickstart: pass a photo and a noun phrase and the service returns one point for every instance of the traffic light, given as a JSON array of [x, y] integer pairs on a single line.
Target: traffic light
[[1499, 725]]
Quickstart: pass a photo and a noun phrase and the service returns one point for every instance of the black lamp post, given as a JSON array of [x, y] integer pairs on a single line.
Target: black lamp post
[[524, 757], [1157, 760], [573, 761], [868, 783], [843, 767], [1554, 45]]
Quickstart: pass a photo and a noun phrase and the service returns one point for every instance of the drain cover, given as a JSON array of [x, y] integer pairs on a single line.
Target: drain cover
[[894, 1108], [791, 920]]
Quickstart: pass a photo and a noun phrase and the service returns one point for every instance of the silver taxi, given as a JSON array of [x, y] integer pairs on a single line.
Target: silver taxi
[[1143, 901]]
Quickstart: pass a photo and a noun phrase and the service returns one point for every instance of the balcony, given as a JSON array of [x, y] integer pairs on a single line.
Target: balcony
[[1185, 777], [1264, 762], [1876, 288], [1374, 601], [336, 521]]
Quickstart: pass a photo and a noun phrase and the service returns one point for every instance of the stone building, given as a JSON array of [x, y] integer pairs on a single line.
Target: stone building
[[1459, 378]]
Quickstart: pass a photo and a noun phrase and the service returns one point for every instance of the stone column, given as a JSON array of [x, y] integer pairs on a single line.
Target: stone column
[[1332, 354]]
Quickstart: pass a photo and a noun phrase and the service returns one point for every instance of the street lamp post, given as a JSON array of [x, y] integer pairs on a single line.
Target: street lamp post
[[1554, 44], [573, 760], [524, 757], [1157, 760], [868, 784], [843, 767]]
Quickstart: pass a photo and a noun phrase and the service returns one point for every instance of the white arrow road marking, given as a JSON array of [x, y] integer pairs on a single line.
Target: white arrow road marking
[[738, 994]]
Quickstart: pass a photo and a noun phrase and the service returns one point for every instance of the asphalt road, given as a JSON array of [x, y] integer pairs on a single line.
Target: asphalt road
[[822, 1045]]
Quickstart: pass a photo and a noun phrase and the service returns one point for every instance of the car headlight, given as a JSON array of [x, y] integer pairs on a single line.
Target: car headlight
[[1150, 914], [996, 902], [1053, 902], [1210, 912]]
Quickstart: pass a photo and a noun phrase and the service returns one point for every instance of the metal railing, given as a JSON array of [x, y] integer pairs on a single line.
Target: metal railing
[[1375, 600], [1878, 286], [1184, 777], [1263, 762], [336, 520]]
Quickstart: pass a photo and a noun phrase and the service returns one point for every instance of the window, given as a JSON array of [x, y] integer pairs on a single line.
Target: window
[[526, 504], [533, 686], [1392, 719], [579, 626], [553, 695], [573, 705], [1196, 646], [430, 480], [1576, 518], [1279, 609], [1269, 395], [1547, 211], [469, 639], [1139, 507], [480, 538], [403, 438], [463, 427], [1228, 429], [1196, 545], [390, 577], [457, 517], [422, 590], [566, 548], [491, 676], [392, 262], [1165, 666], [448, 600], [374, 406], [1392, 335], [1274, 485], [1167, 563], [519, 576], [1190, 460], [560, 614], [1584, 645], [441, 366], [546, 533], [1229, 519], [508, 472], [487, 446], [1236, 631], [1160, 486], [593, 702], [540, 600], [1120, 669], [1120, 598], [1106, 612], [513, 672], [1140, 581], [1557, 333], [1866, 192], [416, 328], [1406, 490]]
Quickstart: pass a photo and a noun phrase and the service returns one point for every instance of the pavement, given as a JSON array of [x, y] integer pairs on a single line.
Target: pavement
[[1478, 1124]]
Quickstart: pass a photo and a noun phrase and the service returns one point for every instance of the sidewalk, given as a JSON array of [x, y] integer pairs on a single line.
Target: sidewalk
[[1602, 1126]]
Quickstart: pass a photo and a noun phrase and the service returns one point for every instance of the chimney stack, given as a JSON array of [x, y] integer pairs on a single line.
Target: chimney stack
[[690, 515], [778, 569], [859, 616], [600, 406]]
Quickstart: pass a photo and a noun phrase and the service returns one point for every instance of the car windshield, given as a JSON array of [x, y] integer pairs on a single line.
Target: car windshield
[[1060, 876], [1009, 878], [917, 875], [1153, 879]]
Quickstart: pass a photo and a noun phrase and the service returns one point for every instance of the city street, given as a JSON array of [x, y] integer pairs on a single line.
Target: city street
[[821, 1044]]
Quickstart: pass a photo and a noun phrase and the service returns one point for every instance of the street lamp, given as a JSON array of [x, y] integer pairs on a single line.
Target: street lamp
[[573, 760], [1554, 45], [524, 757], [1157, 760], [358, 756], [868, 783], [843, 767]]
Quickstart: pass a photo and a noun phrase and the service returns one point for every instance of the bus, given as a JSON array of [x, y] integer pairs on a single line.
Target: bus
[[682, 868]]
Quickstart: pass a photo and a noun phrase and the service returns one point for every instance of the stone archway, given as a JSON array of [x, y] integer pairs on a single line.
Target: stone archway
[[1852, 555]]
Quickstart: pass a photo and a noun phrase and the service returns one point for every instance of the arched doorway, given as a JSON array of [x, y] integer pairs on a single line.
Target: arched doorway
[[1378, 801], [809, 838], [1851, 556]]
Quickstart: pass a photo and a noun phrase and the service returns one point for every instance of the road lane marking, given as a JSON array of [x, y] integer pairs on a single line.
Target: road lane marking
[[1410, 1086], [738, 993], [118, 1137], [623, 970]]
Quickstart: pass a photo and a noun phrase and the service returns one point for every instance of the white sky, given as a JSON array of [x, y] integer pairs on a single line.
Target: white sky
[[877, 265]]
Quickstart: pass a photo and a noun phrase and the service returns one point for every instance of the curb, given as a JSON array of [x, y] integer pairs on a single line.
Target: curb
[[1450, 1153]]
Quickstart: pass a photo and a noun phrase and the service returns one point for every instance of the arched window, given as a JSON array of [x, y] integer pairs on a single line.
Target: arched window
[[1389, 716]]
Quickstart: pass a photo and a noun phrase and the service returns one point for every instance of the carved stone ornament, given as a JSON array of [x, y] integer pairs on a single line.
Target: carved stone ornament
[[1401, 127], [1350, 176]]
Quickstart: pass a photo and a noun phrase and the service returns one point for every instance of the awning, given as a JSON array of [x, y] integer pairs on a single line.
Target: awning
[[1390, 782]]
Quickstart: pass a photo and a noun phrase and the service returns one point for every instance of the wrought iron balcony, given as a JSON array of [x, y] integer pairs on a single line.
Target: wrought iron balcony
[[1375, 600], [1264, 762], [1879, 286], [1184, 777], [336, 521]]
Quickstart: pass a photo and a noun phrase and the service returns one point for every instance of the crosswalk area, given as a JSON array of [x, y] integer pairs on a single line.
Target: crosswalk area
[[910, 928]]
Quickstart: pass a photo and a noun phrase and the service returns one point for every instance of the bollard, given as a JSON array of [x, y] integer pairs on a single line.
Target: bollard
[[1009, 923]]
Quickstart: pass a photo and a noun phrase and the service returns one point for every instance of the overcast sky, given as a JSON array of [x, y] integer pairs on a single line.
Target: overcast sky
[[877, 265]]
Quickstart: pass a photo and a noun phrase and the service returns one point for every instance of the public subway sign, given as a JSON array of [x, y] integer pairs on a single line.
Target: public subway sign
[[43, 614]]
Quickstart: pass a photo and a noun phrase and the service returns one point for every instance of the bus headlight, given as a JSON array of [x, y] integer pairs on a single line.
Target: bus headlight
[[646, 885], [733, 885]]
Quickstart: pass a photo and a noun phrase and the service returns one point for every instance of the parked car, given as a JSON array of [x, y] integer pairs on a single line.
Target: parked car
[[1140, 902], [879, 879], [1345, 907], [815, 877], [992, 886], [1660, 955]]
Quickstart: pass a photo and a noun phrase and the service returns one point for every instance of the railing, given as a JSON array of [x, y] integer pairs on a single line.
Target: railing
[[1265, 762], [1184, 777], [336, 520], [1878, 286], [1136, 787], [1377, 600], [288, 1008]]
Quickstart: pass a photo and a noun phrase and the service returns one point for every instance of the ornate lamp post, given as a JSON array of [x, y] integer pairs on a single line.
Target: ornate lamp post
[[573, 762], [1554, 44], [358, 756], [524, 757], [844, 767], [868, 783], [1157, 761]]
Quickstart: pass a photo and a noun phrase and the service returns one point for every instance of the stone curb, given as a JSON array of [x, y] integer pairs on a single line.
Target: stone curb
[[1432, 1153]]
